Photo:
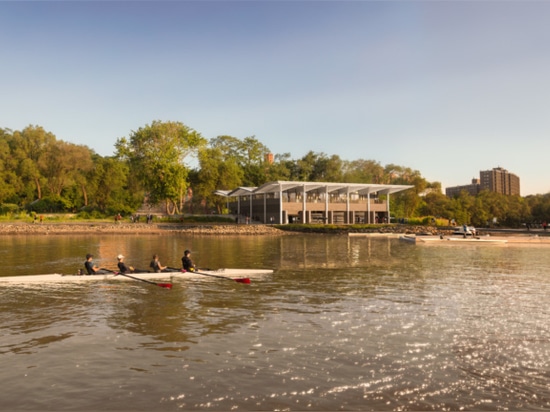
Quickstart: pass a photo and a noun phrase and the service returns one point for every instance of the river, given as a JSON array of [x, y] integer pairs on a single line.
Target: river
[[342, 324]]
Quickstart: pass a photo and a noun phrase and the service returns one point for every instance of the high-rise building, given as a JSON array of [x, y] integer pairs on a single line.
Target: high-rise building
[[499, 180]]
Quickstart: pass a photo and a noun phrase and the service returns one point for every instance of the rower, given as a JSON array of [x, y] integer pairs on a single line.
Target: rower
[[187, 263], [123, 267], [156, 265], [92, 269]]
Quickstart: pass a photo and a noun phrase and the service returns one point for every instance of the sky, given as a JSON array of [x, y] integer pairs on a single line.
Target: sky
[[448, 88]]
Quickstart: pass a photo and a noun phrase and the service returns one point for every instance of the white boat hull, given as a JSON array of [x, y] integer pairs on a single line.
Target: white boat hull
[[60, 278], [440, 239]]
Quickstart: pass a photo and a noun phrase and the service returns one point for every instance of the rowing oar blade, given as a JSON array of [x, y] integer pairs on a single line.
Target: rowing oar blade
[[242, 280]]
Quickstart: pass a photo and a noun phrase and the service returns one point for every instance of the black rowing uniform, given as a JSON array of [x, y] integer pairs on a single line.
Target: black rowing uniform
[[123, 268], [187, 264]]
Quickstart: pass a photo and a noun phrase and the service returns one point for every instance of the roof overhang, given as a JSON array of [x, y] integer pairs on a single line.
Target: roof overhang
[[328, 187], [224, 193], [241, 191]]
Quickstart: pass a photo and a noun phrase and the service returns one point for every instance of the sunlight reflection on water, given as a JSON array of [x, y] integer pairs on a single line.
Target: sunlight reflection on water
[[342, 324]]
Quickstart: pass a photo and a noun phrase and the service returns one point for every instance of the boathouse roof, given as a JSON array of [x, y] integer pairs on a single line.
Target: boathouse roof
[[330, 187]]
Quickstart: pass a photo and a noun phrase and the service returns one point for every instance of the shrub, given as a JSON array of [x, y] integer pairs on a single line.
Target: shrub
[[53, 204], [9, 208]]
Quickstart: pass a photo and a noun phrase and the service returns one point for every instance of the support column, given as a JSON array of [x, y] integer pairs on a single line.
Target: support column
[[388, 207], [368, 208], [265, 208], [346, 218], [304, 195], [238, 208], [251, 214], [325, 220], [281, 207]]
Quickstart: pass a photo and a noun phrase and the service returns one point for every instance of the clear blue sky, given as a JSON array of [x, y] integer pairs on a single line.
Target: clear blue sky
[[448, 88]]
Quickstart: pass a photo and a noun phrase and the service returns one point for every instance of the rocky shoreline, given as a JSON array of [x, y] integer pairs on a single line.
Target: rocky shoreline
[[133, 229], [63, 228]]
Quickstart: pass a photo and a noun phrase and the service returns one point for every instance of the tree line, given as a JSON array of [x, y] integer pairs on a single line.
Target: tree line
[[170, 164]]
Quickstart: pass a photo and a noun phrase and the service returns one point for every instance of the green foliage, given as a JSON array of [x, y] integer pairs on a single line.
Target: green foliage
[[41, 174], [185, 219], [9, 208], [49, 204], [363, 171], [219, 170], [418, 221], [249, 155], [156, 155], [540, 208], [318, 167], [90, 214]]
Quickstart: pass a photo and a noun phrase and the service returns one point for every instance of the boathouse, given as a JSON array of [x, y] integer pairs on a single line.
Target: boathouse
[[285, 202]]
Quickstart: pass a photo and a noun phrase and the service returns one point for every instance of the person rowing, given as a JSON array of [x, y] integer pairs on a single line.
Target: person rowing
[[125, 268], [157, 266], [187, 263], [91, 268]]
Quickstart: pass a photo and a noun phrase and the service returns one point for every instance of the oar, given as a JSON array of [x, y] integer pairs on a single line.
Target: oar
[[162, 285], [240, 280]]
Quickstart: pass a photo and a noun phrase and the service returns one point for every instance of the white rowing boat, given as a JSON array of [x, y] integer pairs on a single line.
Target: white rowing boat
[[441, 239], [58, 277]]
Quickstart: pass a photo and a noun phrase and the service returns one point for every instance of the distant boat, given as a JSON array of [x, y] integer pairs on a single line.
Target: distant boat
[[465, 231], [450, 240]]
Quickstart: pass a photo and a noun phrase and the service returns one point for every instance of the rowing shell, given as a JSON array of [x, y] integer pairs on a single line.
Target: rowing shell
[[57, 277]]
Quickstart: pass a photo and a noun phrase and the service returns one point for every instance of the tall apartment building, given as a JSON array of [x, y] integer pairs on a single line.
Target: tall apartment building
[[497, 180]]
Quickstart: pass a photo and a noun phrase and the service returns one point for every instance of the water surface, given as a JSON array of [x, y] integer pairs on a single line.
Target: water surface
[[342, 324]]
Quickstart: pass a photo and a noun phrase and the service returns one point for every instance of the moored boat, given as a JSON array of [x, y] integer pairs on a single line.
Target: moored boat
[[455, 240], [408, 238]]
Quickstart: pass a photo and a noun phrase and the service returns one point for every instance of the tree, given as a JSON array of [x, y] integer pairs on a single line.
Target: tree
[[435, 204], [281, 168], [111, 186], [318, 167], [28, 148], [64, 164], [156, 155], [218, 171], [249, 154], [255, 163], [461, 208], [8, 178], [363, 171]]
